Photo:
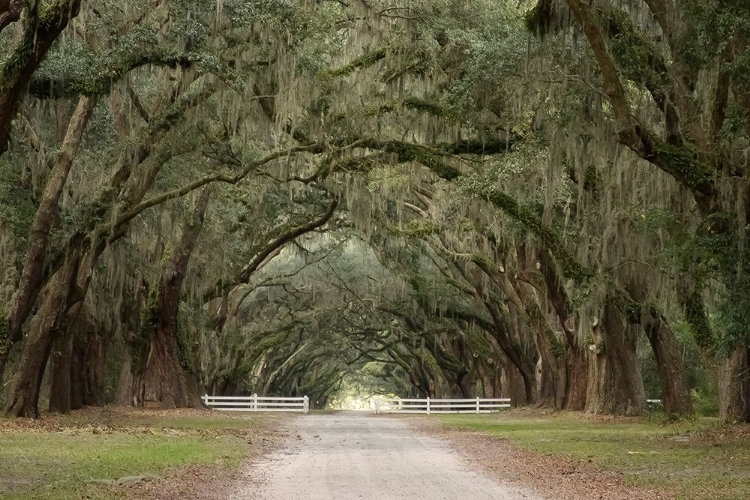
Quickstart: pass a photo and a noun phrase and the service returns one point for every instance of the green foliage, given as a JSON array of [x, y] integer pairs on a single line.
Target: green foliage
[[545, 17], [714, 24], [423, 106], [592, 180], [696, 317], [652, 220], [734, 314], [681, 162], [636, 55], [706, 400], [482, 58], [4, 334], [17, 203], [556, 347]]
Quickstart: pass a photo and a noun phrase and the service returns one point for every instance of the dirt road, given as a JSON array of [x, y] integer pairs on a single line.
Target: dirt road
[[347, 456]]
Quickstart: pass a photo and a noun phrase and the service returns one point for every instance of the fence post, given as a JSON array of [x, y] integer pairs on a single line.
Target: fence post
[[306, 405], [205, 399], [428, 405], [477, 405], [255, 402], [377, 407]]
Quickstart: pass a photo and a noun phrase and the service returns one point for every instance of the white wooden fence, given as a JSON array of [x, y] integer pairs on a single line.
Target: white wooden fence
[[429, 406], [257, 403]]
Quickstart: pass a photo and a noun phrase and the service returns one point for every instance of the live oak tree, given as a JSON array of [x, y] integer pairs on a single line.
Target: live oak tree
[[458, 198]]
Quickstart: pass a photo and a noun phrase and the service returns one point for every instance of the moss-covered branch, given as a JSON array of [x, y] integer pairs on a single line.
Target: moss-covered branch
[[635, 57], [97, 79], [359, 63], [697, 319], [433, 159], [42, 26], [278, 238]]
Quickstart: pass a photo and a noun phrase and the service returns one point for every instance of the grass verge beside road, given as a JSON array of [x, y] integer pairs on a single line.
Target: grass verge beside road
[[690, 459], [100, 453]]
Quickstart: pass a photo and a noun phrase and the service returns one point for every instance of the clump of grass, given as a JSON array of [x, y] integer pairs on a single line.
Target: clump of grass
[[80, 455], [692, 459]]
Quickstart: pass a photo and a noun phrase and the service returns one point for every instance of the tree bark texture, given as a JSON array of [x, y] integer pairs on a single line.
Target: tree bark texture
[[78, 366], [615, 382], [46, 325], [672, 374], [160, 376], [32, 276], [734, 386]]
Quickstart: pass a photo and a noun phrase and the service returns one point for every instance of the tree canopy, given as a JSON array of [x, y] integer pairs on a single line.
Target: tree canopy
[[545, 199]]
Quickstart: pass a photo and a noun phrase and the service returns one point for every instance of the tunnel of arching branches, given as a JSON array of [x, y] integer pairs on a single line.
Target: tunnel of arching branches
[[545, 200]]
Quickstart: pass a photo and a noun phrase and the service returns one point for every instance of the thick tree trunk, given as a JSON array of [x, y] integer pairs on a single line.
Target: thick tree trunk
[[669, 363], [61, 366], [78, 365], [161, 377], [552, 381], [576, 362], [552, 376], [515, 386], [24, 400], [734, 386], [514, 352], [615, 382], [464, 385], [32, 276], [672, 374], [89, 358], [577, 367], [125, 382]]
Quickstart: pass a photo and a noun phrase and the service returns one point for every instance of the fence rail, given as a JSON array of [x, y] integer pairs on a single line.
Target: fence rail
[[429, 406], [257, 403]]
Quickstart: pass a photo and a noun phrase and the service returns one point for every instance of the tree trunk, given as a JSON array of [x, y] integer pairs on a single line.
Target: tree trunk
[[514, 352], [89, 358], [125, 382], [552, 382], [32, 276], [60, 390], [672, 374], [78, 364], [515, 385], [734, 386], [615, 382], [24, 400], [161, 377], [577, 367], [576, 362]]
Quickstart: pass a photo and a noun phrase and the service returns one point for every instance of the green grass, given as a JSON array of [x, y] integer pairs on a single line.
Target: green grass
[[74, 457], [693, 460]]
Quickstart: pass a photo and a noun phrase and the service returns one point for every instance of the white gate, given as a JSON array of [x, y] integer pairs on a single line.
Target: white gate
[[429, 406], [257, 403]]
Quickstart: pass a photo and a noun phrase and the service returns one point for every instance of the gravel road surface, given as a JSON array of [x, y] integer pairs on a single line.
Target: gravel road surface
[[347, 456]]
